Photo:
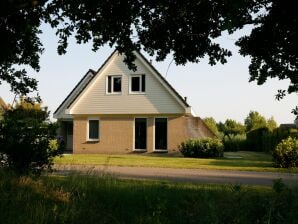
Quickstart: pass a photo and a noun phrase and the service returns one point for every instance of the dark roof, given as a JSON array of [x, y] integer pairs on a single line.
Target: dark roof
[[78, 84], [94, 74]]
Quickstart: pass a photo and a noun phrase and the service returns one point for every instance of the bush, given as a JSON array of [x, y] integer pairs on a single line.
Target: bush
[[202, 148], [234, 142], [286, 153], [27, 139]]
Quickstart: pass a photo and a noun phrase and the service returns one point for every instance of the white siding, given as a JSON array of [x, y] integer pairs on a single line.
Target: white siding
[[94, 99]]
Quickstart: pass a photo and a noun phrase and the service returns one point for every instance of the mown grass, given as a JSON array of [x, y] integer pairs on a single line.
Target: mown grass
[[245, 161], [80, 199]]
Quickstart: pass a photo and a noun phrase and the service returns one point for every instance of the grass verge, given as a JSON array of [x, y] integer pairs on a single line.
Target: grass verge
[[79, 199], [244, 161]]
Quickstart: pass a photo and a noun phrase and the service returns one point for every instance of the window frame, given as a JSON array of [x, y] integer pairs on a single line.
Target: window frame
[[112, 85], [140, 76], [88, 129]]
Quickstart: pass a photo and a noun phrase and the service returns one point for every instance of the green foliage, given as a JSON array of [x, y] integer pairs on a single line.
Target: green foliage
[[202, 148], [27, 138], [81, 199], [265, 140], [231, 127], [211, 123], [286, 153], [271, 124], [254, 121], [235, 143], [186, 30]]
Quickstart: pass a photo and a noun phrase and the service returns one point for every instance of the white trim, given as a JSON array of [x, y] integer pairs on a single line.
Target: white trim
[[159, 79], [63, 110], [90, 85], [153, 137], [133, 136], [87, 131], [140, 92], [112, 85]]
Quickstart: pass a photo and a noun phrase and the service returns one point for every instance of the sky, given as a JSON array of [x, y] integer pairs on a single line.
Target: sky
[[220, 91]]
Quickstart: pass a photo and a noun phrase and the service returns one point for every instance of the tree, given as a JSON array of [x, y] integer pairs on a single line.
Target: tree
[[254, 121], [187, 29], [28, 139], [211, 123], [271, 124], [231, 127]]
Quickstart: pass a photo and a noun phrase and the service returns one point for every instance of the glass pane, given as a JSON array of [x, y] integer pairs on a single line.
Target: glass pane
[[143, 83], [93, 129], [109, 84], [135, 84], [117, 84], [161, 132], [140, 133]]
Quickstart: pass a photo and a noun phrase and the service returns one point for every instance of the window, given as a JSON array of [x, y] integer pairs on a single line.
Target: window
[[137, 84], [93, 130], [114, 84]]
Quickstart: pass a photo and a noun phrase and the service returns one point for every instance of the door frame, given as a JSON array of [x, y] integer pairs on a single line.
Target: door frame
[[133, 135], [153, 137]]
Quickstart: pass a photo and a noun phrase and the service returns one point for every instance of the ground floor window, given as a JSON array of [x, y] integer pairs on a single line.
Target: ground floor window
[[93, 129]]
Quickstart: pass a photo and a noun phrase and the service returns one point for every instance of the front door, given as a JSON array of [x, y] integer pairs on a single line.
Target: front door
[[140, 133], [161, 134]]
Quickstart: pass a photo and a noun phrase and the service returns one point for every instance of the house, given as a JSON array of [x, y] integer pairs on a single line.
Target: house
[[3, 107], [3, 104], [116, 110], [290, 126]]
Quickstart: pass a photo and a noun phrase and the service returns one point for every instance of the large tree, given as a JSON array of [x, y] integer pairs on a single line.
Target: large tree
[[186, 29]]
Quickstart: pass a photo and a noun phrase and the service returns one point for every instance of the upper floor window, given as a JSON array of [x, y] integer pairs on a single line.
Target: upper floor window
[[114, 84], [137, 84]]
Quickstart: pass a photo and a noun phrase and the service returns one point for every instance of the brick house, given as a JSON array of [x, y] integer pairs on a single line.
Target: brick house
[[116, 110]]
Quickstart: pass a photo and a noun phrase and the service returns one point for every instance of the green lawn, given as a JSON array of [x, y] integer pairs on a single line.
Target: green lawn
[[245, 161], [81, 199]]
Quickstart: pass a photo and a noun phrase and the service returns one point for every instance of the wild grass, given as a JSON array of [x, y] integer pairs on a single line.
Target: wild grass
[[81, 199], [242, 160]]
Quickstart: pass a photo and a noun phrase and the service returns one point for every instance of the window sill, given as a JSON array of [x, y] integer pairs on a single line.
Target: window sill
[[111, 94], [140, 150], [92, 140], [137, 93]]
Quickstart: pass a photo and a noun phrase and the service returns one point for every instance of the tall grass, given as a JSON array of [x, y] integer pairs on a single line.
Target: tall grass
[[81, 199]]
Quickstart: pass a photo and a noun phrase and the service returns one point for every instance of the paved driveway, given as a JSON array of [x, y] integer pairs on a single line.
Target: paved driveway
[[183, 175]]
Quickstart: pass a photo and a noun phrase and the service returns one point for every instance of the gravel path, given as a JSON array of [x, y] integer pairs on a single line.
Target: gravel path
[[183, 175]]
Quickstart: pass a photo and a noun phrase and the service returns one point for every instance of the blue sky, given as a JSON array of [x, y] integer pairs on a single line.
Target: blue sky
[[220, 91]]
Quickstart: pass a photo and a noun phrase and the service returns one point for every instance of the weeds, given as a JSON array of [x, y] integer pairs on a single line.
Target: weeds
[[91, 199]]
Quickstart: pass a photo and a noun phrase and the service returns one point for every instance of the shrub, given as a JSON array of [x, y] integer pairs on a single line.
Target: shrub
[[286, 153], [202, 148], [27, 139], [234, 142]]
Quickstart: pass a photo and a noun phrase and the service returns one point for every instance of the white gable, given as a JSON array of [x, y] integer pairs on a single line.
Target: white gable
[[158, 98]]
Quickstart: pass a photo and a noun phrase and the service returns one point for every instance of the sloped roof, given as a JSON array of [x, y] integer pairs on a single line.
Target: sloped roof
[[2, 103], [75, 93]]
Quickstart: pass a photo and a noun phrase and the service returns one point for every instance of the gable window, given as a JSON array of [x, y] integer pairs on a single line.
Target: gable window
[[93, 129], [114, 84], [137, 84]]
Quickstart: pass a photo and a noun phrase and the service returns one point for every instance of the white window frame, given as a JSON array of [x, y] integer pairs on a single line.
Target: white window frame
[[140, 89], [112, 85], [87, 137]]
